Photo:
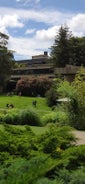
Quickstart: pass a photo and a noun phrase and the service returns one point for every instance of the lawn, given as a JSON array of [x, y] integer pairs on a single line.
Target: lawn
[[24, 102]]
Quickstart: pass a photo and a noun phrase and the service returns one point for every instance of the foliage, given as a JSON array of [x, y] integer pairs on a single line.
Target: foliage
[[26, 157], [52, 93], [77, 47], [29, 117], [56, 140], [78, 176], [58, 116], [77, 104], [24, 171], [60, 48], [68, 49], [76, 95], [51, 96], [22, 117], [72, 161], [48, 181], [6, 60], [33, 86], [23, 142], [74, 157], [49, 156], [71, 177]]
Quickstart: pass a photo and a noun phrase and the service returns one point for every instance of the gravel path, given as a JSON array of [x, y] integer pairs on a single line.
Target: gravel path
[[80, 135]]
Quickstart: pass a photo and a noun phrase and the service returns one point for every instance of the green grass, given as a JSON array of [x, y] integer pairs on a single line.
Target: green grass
[[24, 103], [21, 103]]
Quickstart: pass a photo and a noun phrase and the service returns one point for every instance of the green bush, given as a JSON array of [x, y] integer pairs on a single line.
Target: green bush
[[60, 117], [55, 140], [50, 157], [49, 118], [51, 97], [74, 157], [48, 181], [75, 91], [8, 118], [78, 176], [24, 171], [23, 117], [71, 177], [29, 117]]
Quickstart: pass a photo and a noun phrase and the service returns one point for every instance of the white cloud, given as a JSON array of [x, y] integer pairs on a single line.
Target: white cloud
[[28, 1], [28, 46], [42, 39], [77, 24], [10, 21], [46, 16], [30, 31], [48, 34]]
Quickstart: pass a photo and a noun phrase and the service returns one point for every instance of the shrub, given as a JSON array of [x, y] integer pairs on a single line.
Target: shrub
[[71, 177], [29, 117], [33, 86], [74, 157], [59, 117], [51, 97], [49, 118], [24, 171], [78, 176], [56, 139], [48, 181], [23, 117], [76, 106], [8, 118]]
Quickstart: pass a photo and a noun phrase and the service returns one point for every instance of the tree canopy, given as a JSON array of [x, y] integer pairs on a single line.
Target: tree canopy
[[6, 60], [60, 48], [68, 49]]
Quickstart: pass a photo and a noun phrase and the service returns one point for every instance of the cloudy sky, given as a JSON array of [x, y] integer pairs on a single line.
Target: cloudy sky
[[33, 24]]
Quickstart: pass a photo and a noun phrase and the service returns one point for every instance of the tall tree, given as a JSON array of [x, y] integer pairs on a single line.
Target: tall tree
[[6, 60], [77, 51], [60, 48]]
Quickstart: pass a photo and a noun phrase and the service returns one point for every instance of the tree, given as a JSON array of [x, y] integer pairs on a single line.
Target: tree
[[60, 48], [76, 105], [6, 60], [51, 94], [77, 51], [68, 49]]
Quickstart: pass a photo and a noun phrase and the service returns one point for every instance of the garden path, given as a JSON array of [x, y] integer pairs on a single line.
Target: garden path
[[80, 135]]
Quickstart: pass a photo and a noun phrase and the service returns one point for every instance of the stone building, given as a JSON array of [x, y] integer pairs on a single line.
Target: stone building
[[42, 65]]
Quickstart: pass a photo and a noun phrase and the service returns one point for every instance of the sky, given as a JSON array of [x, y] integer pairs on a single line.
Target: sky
[[33, 24]]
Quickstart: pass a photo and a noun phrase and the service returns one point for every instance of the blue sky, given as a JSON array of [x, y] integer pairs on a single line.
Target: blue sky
[[33, 24]]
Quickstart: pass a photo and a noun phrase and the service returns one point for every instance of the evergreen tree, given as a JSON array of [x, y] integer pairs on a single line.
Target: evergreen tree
[[60, 48]]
